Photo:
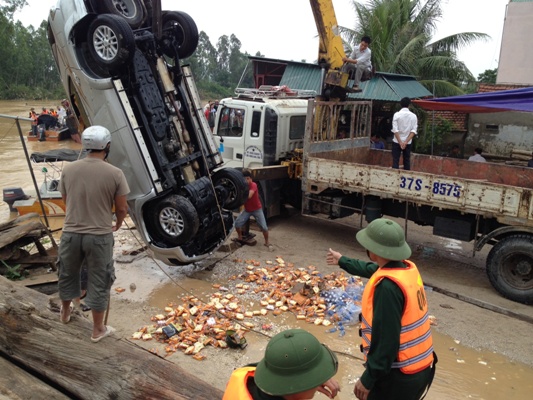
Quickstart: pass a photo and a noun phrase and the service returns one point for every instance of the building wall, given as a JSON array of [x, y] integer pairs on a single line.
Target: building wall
[[499, 133], [516, 56]]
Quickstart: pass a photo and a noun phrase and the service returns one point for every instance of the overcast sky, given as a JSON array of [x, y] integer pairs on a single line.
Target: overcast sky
[[285, 29]]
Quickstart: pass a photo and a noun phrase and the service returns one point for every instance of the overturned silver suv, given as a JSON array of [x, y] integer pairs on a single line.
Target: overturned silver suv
[[119, 62]]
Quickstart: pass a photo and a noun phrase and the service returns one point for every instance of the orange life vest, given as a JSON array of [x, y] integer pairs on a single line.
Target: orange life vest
[[236, 388], [416, 344], [33, 116]]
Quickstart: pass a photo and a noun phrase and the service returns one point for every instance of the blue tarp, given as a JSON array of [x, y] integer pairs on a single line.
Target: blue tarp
[[504, 100]]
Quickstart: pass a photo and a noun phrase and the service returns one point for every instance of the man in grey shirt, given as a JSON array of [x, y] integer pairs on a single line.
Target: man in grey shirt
[[91, 188], [359, 62]]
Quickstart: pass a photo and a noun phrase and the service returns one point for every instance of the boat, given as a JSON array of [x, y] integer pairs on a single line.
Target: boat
[[48, 129], [51, 199]]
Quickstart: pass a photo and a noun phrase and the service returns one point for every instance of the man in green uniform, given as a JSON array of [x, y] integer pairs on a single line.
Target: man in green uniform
[[395, 331], [295, 367]]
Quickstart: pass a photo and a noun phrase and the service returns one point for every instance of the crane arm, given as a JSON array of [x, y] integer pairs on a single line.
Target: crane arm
[[330, 49]]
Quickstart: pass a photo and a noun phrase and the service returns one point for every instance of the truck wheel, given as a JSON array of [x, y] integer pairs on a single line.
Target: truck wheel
[[131, 10], [111, 42], [232, 186], [510, 268], [174, 220], [181, 28]]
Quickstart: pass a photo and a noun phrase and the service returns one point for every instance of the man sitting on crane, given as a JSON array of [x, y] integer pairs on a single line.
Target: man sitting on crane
[[359, 62]]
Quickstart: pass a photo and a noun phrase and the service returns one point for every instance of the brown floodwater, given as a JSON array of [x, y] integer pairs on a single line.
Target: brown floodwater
[[462, 373], [15, 171]]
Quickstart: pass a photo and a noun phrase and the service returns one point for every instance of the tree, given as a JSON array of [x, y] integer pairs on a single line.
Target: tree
[[488, 76], [203, 61], [401, 33], [9, 7], [28, 69]]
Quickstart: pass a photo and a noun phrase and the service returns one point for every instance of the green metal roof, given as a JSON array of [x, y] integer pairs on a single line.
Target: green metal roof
[[382, 87]]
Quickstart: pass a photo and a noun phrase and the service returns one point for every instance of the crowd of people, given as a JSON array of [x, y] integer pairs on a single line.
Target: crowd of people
[[55, 118]]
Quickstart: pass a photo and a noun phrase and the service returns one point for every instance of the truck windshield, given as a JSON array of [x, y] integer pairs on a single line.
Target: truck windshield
[[231, 122]]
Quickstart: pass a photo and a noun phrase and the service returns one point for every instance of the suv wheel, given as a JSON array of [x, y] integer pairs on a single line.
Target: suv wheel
[[174, 220], [181, 28], [232, 185], [131, 10], [111, 42]]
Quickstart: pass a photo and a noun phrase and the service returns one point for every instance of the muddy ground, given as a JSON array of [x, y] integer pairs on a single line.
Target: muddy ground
[[483, 354]]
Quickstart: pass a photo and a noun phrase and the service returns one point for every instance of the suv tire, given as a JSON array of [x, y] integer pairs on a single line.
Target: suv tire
[[111, 42], [185, 33], [235, 189], [174, 220], [131, 10]]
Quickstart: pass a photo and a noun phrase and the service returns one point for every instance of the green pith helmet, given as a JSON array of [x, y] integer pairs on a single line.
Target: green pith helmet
[[295, 361], [384, 238]]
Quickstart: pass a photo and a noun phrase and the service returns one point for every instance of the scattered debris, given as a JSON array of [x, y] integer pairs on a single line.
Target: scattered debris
[[278, 287]]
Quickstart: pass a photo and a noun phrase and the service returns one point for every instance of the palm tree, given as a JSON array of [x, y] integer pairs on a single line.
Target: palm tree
[[401, 32]]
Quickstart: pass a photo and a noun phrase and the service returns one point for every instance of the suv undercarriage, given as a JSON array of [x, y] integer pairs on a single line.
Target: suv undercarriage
[[120, 65]]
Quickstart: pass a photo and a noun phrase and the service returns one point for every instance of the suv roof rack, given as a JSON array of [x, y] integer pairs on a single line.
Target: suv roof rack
[[274, 92]]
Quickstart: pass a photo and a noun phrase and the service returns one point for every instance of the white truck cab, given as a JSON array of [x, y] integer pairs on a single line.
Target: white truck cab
[[260, 128]]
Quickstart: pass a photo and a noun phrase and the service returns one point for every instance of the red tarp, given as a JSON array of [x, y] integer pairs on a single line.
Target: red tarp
[[504, 100]]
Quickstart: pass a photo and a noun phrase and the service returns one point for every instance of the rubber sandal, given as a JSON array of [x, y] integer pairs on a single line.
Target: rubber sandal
[[270, 247], [108, 331], [65, 321], [84, 307]]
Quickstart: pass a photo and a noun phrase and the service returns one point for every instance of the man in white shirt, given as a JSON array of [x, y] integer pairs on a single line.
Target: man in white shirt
[[359, 62], [404, 126], [477, 156]]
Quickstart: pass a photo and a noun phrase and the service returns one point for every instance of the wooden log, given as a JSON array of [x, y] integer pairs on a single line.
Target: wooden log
[[15, 383], [18, 220], [520, 157], [32, 335], [521, 152], [9, 236]]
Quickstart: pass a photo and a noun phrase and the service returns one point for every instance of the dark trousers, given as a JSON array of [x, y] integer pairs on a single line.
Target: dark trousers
[[396, 152], [399, 386]]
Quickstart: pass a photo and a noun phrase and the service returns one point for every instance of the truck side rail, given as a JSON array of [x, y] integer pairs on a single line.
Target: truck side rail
[[508, 204]]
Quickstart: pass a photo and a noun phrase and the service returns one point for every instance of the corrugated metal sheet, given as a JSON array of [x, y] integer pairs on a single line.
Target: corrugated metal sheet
[[302, 76], [391, 87], [383, 87]]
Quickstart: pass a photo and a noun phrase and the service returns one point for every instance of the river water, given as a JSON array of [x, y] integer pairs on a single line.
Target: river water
[[462, 372], [15, 169]]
